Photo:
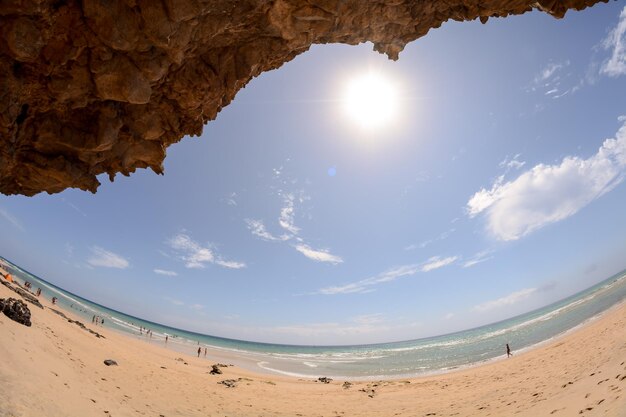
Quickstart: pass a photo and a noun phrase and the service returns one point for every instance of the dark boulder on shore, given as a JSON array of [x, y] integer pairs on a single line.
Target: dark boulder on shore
[[16, 310], [109, 362], [215, 370]]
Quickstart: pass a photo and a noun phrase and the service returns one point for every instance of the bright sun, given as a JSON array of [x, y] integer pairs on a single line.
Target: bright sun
[[371, 101]]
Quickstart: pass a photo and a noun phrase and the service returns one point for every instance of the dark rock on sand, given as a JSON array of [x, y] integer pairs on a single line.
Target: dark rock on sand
[[229, 383], [215, 370], [16, 310], [324, 379], [347, 385], [109, 362]]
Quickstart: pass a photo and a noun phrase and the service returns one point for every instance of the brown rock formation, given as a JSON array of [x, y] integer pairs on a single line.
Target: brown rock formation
[[105, 86]]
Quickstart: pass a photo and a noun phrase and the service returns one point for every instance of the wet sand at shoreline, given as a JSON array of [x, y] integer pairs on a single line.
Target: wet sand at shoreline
[[55, 368]]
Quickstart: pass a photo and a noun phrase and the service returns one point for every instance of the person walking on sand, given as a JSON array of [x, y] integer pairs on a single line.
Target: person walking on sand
[[199, 350], [508, 351], [205, 352]]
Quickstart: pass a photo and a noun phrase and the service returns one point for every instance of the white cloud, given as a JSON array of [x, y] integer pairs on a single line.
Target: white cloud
[[11, 219], [230, 264], [550, 70], [506, 300], [616, 40], [165, 272], [548, 193], [551, 80], [107, 259], [286, 221], [478, 258], [437, 262], [197, 256], [258, 229], [286, 218], [512, 163], [448, 316], [363, 286], [319, 255]]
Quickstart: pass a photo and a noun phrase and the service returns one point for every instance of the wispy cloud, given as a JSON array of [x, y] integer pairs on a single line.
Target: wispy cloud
[[480, 257], [507, 300], [615, 65], [165, 272], [286, 218], [319, 255], [549, 71], [512, 163], [197, 256], [257, 228], [548, 193], [365, 285], [437, 262], [425, 243], [549, 81], [74, 207], [11, 219], [107, 259]]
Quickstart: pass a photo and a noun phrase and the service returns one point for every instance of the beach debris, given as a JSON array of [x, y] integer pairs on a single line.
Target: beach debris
[[215, 370], [78, 323], [229, 383], [324, 379], [23, 293], [109, 362], [347, 385], [369, 391], [16, 310]]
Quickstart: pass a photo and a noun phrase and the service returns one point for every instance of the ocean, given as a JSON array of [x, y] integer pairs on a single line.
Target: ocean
[[377, 361]]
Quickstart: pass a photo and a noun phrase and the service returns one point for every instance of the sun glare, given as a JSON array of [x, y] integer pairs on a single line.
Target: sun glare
[[371, 101]]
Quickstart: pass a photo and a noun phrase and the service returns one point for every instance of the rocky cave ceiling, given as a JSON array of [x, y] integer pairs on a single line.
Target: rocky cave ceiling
[[105, 86]]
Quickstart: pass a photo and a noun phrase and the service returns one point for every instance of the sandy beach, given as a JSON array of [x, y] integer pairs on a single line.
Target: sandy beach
[[55, 368]]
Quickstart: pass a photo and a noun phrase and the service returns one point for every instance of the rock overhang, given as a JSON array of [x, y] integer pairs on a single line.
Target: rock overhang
[[105, 86]]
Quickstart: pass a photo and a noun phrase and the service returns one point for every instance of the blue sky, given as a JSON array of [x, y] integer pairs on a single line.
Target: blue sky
[[496, 188]]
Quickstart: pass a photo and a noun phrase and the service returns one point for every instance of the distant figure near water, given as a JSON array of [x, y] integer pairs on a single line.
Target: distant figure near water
[[508, 351], [199, 350]]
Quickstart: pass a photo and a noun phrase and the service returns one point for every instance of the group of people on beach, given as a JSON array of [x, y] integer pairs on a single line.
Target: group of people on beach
[[148, 332], [97, 320], [27, 285]]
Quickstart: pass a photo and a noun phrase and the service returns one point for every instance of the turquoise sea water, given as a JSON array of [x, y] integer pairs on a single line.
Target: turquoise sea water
[[397, 359]]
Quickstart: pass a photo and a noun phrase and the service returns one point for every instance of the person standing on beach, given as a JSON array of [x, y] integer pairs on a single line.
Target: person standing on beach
[[166, 337], [205, 352], [199, 350], [508, 351]]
